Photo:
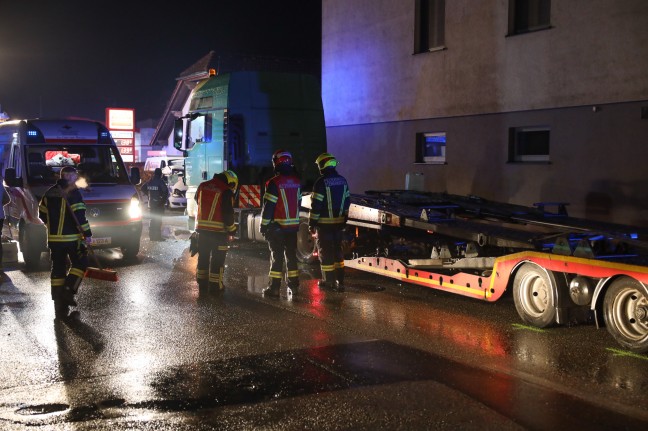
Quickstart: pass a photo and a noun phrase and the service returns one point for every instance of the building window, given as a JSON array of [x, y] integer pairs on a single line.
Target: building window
[[431, 148], [529, 144], [529, 15], [430, 25]]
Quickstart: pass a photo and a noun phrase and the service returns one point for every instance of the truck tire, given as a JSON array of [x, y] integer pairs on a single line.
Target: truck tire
[[534, 295], [305, 244], [131, 250], [32, 241], [625, 311]]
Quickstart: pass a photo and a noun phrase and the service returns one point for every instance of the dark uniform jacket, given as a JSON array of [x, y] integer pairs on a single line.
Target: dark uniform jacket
[[158, 192], [281, 202], [54, 212], [330, 200], [215, 206]]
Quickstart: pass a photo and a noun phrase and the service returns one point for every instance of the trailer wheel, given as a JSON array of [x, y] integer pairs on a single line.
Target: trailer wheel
[[305, 244], [625, 310], [533, 293]]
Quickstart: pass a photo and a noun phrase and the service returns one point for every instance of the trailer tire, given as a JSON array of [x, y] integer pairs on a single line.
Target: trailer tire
[[534, 295], [625, 311], [305, 244]]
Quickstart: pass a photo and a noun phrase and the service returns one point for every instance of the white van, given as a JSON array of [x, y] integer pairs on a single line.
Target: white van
[[32, 152]]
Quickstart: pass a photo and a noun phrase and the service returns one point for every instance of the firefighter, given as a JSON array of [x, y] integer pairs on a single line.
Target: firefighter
[[68, 234], [330, 203], [280, 222], [158, 194], [215, 227]]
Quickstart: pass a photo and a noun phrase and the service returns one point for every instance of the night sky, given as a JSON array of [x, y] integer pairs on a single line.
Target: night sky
[[76, 58]]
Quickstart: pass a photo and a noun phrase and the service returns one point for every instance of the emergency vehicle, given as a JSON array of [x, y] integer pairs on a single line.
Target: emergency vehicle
[[32, 152], [561, 270], [236, 121]]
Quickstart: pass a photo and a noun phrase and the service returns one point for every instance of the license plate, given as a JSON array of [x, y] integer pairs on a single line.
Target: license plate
[[100, 241]]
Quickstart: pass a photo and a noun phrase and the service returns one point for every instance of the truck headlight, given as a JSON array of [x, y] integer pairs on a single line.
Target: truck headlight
[[135, 210]]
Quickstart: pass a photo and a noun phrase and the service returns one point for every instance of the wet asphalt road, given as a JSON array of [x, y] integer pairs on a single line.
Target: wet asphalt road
[[149, 352]]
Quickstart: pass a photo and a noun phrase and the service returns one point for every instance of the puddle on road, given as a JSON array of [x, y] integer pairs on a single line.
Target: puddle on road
[[261, 378]]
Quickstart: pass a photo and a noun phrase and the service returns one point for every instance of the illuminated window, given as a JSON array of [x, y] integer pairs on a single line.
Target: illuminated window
[[529, 15], [430, 25], [431, 148], [529, 144]]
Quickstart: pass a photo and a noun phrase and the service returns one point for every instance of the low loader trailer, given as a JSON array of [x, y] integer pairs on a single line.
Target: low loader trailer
[[561, 270]]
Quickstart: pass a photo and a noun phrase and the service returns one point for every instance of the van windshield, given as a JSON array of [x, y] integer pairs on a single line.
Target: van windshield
[[97, 164]]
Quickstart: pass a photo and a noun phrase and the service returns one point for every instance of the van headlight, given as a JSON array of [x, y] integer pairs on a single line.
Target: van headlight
[[135, 210]]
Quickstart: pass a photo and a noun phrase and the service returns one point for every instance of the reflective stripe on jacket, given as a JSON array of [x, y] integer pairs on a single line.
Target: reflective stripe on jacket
[[215, 207], [330, 200], [281, 202], [53, 211]]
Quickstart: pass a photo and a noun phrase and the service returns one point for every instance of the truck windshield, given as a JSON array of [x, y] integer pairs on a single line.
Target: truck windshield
[[96, 163]]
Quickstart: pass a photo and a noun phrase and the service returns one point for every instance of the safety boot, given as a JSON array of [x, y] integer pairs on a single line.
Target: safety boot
[[272, 291], [293, 285], [326, 285]]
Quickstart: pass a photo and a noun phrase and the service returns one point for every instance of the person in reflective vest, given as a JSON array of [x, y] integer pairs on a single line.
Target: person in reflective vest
[[68, 233], [330, 203], [215, 226], [280, 223]]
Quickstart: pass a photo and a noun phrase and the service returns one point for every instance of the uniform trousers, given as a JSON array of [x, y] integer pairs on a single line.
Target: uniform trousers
[[212, 251], [64, 280], [331, 255], [283, 248]]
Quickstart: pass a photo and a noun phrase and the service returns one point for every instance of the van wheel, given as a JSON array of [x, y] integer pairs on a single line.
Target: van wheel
[[31, 243], [130, 251]]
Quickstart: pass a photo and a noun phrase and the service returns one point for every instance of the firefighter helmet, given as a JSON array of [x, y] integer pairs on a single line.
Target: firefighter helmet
[[232, 179], [281, 157], [325, 160]]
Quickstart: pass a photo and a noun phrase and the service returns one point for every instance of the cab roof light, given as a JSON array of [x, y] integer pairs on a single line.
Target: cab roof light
[[34, 136]]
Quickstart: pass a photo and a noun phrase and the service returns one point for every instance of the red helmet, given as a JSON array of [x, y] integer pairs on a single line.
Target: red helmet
[[281, 157]]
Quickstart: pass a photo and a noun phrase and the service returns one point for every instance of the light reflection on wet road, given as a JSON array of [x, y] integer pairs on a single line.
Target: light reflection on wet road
[[150, 350]]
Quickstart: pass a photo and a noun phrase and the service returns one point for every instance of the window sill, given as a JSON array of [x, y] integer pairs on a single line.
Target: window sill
[[430, 163], [435, 49], [519, 162], [531, 30]]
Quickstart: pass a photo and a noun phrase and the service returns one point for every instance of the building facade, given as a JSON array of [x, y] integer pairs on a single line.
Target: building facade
[[519, 101]]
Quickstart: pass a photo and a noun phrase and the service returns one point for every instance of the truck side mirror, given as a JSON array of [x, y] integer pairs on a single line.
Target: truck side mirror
[[135, 175], [178, 133], [10, 178]]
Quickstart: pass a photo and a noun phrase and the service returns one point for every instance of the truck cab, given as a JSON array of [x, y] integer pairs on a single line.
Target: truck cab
[[237, 121]]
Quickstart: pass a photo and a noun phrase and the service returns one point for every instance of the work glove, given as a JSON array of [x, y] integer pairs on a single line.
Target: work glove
[[312, 230], [264, 229], [88, 240]]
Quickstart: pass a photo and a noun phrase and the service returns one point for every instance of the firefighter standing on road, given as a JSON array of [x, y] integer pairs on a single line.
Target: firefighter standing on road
[[215, 227], [64, 239], [280, 222], [158, 194], [329, 212]]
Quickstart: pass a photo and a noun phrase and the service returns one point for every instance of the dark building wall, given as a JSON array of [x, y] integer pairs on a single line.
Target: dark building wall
[[597, 160], [378, 94]]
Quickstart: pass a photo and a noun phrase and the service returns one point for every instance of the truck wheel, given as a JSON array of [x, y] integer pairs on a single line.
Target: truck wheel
[[534, 297], [305, 244], [130, 251], [625, 310]]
